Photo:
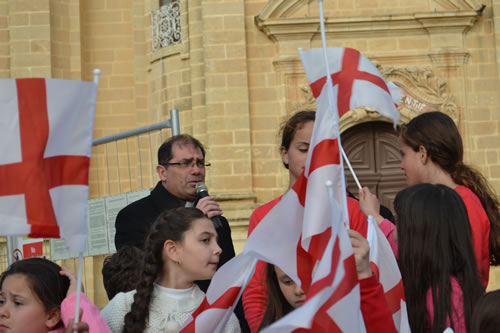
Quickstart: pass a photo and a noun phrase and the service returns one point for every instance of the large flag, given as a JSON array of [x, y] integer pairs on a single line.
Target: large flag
[[356, 81], [386, 268], [304, 234], [46, 129]]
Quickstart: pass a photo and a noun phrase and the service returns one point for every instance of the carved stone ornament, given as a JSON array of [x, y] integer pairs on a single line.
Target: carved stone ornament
[[166, 25], [422, 92]]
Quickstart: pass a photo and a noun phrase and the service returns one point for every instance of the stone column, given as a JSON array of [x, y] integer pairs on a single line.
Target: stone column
[[227, 110]]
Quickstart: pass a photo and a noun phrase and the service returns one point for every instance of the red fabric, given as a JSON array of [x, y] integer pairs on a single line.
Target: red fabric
[[480, 226], [255, 294], [376, 311]]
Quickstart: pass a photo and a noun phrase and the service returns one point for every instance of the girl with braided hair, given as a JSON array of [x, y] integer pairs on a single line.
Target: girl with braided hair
[[180, 249]]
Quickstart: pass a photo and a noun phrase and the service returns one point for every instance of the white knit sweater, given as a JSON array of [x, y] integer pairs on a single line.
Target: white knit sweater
[[168, 311]]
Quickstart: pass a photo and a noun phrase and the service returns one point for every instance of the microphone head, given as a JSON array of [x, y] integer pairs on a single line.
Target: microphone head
[[201, 187]]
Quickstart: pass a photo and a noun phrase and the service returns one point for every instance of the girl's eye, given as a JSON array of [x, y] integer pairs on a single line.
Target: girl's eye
[[2, 301], [205, 240]]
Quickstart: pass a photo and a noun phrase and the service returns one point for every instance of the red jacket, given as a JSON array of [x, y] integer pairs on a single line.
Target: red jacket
[[374, 307], [480, 227]]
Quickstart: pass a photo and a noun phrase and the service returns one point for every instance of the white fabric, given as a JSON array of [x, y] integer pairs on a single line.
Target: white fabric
[[169, 308], [10, 149], [71, 107], [13, 219], [382, 256]]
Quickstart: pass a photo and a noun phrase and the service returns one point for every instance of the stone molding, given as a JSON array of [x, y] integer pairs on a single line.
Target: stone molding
[[283, 8], [273, 21]]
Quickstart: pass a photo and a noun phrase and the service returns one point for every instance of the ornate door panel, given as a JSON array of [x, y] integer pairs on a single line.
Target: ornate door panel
[[373, 150]]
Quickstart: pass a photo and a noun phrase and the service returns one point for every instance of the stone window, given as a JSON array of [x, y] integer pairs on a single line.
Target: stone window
[[166, 24]]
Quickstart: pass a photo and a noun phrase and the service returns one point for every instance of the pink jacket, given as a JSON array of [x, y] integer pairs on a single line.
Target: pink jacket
[[90, 314], [457, 301]]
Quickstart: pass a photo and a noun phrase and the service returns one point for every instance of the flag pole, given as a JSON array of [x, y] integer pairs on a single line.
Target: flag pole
[[329, 82], [97, 74], [329, 85], [78, 289], [350, 168]]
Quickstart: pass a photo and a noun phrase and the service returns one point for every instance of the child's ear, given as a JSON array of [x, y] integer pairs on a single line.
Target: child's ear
[[53, 318], [171, 250], [284, 155]]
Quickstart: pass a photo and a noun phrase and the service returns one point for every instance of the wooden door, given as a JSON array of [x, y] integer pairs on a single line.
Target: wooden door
[[373, 150]]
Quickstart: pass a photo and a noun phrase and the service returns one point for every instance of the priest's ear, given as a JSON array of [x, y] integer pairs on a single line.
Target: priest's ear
[[162, 172]]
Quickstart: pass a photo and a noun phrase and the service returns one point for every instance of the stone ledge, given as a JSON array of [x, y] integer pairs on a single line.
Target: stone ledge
[[232, 196], [281, 29]]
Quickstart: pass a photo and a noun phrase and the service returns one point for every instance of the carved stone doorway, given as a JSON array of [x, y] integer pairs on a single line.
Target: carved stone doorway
[[373, 150]]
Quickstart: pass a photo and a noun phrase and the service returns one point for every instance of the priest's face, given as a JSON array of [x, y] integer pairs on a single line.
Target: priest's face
[[180, 179]]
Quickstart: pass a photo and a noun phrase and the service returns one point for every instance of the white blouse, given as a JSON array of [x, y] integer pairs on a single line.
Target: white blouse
[[168, 311]]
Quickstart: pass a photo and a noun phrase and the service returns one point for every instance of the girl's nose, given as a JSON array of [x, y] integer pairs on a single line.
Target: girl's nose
[[218, 250], [298, 290]]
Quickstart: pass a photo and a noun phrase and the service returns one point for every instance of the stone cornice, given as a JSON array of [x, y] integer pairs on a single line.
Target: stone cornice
[[293, 28]]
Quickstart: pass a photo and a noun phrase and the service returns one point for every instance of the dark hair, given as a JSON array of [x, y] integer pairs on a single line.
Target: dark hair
[[165, 151], [439, 135], [121, 271], [292, 125], [277, 305], [45, 281], [435, 244], [170, 225], [485, 318]]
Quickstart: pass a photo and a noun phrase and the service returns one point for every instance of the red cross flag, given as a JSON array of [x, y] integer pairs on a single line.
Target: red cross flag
[[356, 82], [304, 233], [309, 225], [46, 128]]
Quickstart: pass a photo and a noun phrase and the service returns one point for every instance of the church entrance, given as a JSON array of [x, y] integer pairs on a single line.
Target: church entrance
[[373, 150]]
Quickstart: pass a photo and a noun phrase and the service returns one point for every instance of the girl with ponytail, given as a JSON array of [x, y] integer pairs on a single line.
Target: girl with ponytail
[[180, 249], [432, 143], [432, 152]]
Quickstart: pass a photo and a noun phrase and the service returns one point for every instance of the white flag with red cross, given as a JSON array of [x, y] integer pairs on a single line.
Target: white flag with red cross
[[385, 266], [356, 82], [304, 234], [46, 129]]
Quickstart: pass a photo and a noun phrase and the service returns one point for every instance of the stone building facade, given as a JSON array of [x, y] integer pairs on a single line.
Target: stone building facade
[[232, 69]]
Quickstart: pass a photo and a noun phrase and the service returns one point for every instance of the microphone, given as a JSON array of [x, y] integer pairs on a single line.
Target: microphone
[[202, 191]]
